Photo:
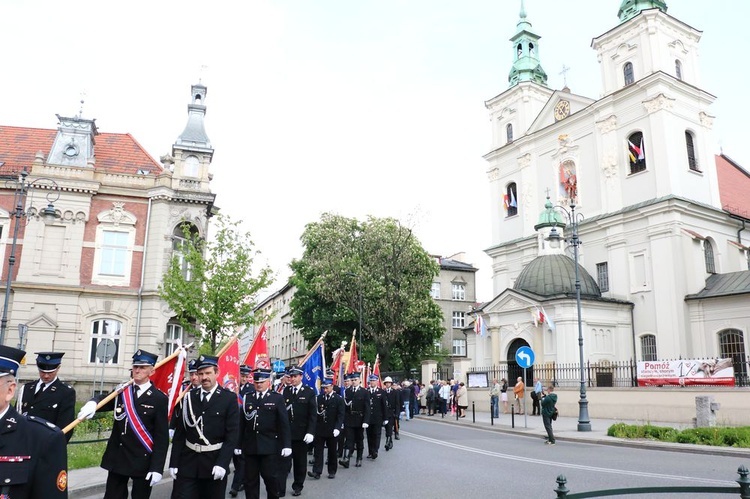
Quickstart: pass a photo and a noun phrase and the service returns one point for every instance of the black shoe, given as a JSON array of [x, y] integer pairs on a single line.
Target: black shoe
[[311, 461], [296, 493], [358, 464], [369, 456], [344, 461], [313, 475], [374, 456], [331, 475], [233, 493], [398, 438]]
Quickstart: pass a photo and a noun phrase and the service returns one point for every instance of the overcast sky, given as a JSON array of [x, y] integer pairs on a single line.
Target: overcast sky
[[358, 107]]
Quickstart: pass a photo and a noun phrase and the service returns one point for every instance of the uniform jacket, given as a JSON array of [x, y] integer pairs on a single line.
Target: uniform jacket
[[218, 420], [247, 388], [125, 454], [357, 407], [378, 407], [330, 414], [44, 474], [393, 402], [301, 411], [264, 424], [56, 403]]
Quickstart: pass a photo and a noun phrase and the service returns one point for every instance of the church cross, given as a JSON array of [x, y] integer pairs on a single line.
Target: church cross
[[564, 74]]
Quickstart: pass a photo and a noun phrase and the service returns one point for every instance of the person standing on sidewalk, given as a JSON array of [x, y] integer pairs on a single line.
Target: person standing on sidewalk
[[504, 395], [519, 391], [536, 397], [549, 412], [445, 395], [137, 447], [495, 398]]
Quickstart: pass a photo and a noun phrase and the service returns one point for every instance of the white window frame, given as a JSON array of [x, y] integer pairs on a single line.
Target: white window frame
[[114, 220], [174, 337], [458, 291], [191, 168], [458, 319], [458, 347], [435, 290], [115, 335]]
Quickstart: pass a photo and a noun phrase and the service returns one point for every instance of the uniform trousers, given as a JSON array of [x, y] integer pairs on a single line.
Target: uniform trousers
[[374, 432], [320, 444], [117, 487], [355, 437], [239, 471], [341, 444], [298, 463], [265, 466], [200, 488]]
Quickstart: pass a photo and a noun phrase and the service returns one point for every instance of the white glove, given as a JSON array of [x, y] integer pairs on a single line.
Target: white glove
[[121, 387], [218, 472], [286, 452], [308, 438], [173, 473], [171, 433], [154, 477], [237, 452], [336, 433], [365, 425], [385, 423], [88, 410]]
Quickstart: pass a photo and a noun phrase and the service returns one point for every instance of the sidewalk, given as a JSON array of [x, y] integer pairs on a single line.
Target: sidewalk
[[89, 481]]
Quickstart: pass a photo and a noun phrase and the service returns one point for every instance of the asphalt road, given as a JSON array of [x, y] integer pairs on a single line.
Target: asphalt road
[[441, 460]]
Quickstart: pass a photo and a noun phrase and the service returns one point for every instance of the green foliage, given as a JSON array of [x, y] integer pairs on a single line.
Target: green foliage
[[213, 289], [720, 437], [376, 265]]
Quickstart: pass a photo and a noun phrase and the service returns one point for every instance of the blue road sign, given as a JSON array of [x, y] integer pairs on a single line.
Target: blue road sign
[[279, 366], [525, 357]]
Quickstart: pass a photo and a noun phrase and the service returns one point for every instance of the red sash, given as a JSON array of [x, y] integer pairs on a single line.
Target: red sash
[[134, 421]]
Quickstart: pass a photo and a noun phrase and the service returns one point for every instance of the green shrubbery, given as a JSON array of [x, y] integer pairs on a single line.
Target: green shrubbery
[[720, 437], [83, 450]]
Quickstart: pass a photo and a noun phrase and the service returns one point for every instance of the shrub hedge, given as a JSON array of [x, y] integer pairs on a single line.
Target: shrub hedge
[[720, 437]]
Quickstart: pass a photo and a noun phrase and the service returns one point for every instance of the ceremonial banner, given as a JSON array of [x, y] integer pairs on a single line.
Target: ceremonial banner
[[314, 367], [686, 372], [229, 365], [168, 378], [257, 356]]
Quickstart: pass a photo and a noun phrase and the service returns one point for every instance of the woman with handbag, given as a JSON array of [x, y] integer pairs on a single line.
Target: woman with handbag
[[549, 413]]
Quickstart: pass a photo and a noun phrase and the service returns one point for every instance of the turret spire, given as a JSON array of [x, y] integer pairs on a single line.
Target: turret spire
[[631, 8], [526, 65]]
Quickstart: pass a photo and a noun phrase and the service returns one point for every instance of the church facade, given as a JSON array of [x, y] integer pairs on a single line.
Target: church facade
[[634, 176]]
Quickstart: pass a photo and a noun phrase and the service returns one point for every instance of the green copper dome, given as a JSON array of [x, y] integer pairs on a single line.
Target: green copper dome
[[553, 275], [631, 8], [550, 217], [526, 65]]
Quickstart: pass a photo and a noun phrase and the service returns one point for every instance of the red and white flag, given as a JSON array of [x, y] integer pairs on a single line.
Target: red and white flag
[[229, 365], [168, 378], [257, 356]]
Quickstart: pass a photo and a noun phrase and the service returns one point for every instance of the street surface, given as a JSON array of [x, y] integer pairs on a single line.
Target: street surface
[[437, 459]]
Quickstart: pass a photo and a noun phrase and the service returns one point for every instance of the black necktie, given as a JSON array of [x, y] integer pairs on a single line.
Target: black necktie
[[136, 389], [205, 397]]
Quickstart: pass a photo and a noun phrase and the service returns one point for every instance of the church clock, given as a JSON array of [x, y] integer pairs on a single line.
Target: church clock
[[562, 110]]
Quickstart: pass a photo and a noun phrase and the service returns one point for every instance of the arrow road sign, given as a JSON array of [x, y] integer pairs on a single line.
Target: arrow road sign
[[525, 357]]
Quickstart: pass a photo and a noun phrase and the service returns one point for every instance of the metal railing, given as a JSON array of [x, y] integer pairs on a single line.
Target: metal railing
[[743, 489]]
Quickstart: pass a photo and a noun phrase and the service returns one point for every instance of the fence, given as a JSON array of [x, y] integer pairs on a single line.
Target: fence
[[743, 490], [622, 374]]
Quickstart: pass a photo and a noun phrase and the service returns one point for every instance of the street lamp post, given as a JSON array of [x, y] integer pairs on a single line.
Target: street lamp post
[[584, 423], [22, 188]]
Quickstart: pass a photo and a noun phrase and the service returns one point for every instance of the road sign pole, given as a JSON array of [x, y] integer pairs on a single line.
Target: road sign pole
[[525, 421]]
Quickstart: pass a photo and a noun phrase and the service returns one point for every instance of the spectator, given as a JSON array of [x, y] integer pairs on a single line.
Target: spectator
[[422, 398], [462, 400], [430, 398], [454, 400], [414, 397], [406, 399], [536, 397], [445, 395], [495, 398], [519, 391], [549, 413], [504, 395]]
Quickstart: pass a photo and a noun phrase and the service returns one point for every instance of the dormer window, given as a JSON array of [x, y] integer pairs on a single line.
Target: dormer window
[[627, 71]]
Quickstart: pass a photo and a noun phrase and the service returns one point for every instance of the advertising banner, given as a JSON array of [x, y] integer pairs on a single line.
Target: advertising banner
[[686, 372]]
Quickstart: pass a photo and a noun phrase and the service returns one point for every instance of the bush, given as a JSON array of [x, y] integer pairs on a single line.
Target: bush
[[719, 437]]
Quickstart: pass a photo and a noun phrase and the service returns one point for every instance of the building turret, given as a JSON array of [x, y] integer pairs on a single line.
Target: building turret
[[526, 65], [631, 8]]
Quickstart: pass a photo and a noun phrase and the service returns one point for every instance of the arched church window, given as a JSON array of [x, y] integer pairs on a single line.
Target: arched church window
[[690, 146], [732, 346], [708, 253], [636, 153], [648, 348], [191, 166], [509, 132], [510, 200], [531, 50], [519, 50], [678, 69], [627, 71]]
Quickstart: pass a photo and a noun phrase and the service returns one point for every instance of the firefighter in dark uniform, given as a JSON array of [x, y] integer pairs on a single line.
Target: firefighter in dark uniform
[[33, 456], [137, 446], [265, 436], [205, 437], [356, 420], [331, 410], [48, 397], [347, 382], [246, 386], [378, 417], [299, 400], [189, 384], [394, 407]]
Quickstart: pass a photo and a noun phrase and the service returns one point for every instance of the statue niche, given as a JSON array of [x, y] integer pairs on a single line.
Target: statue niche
[[568, 182]]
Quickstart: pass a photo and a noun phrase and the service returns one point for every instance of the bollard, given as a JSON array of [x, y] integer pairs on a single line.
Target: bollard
[[562, 490], [513, 416], [492, 419], [473, 413], [744, 482]]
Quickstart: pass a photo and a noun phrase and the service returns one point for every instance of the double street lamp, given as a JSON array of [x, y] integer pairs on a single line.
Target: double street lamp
[[22, 187], [584, 423]]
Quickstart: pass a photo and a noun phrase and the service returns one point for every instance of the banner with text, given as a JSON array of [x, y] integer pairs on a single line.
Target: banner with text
[[686, 372]]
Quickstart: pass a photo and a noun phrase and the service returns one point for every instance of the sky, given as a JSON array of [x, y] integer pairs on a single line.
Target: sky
[[354, 107]]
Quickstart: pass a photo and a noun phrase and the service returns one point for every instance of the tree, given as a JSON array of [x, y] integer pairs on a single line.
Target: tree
[[211, 286], [381, 263]]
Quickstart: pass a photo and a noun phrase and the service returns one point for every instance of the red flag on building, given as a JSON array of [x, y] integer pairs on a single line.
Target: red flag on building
[[257, 356], [168, 378]]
